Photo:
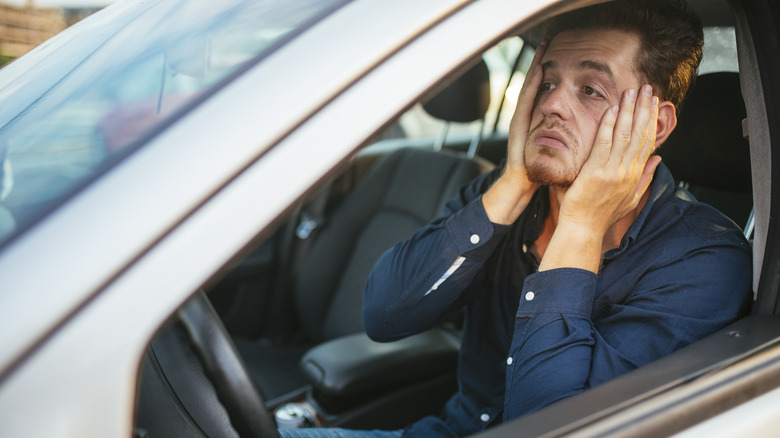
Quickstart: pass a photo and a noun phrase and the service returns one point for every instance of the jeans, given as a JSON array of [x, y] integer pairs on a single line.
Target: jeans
[[337, 433]]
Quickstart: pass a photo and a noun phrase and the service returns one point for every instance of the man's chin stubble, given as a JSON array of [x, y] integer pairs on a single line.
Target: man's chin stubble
[[543, 175]]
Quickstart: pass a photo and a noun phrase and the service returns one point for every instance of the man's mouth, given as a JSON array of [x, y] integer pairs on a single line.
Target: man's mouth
[[551, 139]]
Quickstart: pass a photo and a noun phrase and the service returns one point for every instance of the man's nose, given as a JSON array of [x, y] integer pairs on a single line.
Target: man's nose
[[556, 102]]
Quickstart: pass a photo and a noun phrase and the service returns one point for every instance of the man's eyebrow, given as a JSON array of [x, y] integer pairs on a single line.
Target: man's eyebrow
[[601, 68], [585, 65]]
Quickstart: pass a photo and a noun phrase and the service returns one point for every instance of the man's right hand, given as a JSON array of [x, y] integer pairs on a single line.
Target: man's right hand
[[511, 193]]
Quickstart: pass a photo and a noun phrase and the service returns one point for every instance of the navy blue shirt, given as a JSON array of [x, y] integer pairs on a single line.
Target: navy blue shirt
[[681, 272]]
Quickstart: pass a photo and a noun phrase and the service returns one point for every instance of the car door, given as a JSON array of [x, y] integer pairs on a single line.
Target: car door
[[86, 287]]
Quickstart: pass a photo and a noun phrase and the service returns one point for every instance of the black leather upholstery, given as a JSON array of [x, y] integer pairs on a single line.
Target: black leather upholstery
[[354, 365], [708, 151], [194, 384], [707, 148], [401, 193], [404, 192], [465, 100]]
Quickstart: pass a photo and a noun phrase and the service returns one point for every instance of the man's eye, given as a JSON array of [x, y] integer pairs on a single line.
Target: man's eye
[[546, 86], [589, 91]]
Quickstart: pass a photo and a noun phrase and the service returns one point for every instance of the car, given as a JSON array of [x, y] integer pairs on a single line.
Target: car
[[171, 167]]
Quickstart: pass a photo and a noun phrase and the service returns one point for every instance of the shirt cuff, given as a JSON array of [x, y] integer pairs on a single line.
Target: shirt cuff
[[563, 290], [471, 230]]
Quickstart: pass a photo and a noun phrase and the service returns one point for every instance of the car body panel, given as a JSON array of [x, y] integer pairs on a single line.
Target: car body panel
[[693, 384], [755, 418], [201, 213]]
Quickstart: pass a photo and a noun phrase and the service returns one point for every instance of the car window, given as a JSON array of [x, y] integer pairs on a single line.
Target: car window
[[719, 54], [500, 60], [720, 50], [140, 75]]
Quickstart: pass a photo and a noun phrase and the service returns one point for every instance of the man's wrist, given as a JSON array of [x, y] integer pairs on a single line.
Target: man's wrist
[[573, 245], [507, 198]]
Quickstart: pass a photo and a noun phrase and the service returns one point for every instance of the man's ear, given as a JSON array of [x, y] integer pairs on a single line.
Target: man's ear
[[667, 121]]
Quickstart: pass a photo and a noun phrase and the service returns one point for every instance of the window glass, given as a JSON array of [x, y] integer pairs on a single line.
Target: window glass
[[418, 124], [720, 50], [142, 73], [720, 54]]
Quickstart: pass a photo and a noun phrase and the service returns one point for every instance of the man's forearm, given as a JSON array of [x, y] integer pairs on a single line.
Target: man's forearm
[[413, 283]]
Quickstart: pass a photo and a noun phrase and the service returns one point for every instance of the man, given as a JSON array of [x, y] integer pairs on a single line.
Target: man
[[577, 260]]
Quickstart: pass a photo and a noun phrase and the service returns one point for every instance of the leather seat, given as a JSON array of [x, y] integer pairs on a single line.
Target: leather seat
[[401, 193], [707, 152]]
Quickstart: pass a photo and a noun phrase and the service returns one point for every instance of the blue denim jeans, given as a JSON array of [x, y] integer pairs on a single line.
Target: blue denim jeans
[[325, 432]]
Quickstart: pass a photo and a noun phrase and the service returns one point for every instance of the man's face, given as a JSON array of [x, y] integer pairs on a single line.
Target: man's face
[[585, 73]]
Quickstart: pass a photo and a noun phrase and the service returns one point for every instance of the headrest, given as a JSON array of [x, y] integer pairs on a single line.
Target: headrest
[[707, 148], [464, 100]]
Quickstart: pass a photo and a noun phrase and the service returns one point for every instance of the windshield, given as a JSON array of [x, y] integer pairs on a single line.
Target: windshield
[[81, 102]]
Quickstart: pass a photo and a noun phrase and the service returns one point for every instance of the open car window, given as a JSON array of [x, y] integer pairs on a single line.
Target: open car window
[[506, 62], [418, 128]]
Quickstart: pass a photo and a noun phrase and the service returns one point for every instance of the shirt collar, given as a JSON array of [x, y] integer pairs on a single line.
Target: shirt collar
[[531, 222]]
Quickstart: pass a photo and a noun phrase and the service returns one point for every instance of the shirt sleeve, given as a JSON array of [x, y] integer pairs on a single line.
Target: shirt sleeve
[[557, 351], [412, 285]]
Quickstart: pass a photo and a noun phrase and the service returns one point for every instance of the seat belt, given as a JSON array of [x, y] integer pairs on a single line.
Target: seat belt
[[312, 216], [295, 242]]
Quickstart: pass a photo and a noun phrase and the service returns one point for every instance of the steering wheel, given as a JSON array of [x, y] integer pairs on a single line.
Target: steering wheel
[[195, 383]]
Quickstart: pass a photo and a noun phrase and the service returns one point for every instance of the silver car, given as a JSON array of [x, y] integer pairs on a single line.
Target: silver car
[[169, 168]]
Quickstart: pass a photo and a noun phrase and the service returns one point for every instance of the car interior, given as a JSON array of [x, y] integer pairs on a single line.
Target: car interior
[[289, 311]]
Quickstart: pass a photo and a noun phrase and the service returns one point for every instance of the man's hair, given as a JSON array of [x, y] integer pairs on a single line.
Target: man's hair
[[671, 39]]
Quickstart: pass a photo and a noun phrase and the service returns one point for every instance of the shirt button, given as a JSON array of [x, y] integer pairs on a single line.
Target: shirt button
[[474, 239], [525, 249], [509, 361], [530, 296], [485, 418]]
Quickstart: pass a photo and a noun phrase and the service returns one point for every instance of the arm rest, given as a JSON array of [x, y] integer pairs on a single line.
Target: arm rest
[[355, 364]]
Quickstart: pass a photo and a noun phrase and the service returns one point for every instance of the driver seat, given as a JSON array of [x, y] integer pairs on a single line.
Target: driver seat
[[708, 153], [401, 193]]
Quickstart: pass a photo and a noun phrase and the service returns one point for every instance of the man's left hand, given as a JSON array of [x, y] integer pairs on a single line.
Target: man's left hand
[[610, 184]]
